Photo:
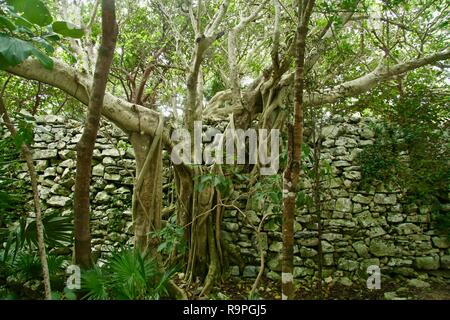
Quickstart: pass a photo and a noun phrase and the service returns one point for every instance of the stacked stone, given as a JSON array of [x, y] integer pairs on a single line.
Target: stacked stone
[[54, 151], [359, 228]]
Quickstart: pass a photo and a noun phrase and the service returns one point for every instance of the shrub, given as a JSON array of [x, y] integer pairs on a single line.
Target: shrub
[[126, 275]]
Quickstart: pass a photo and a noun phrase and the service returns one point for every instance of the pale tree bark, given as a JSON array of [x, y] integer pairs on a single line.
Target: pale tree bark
[[26, 152], [147, 193], [233, 34], [126, 115], [292, 172], [269, 91], [200, 222], [134, 118], [84, 48], [203, 41], [85, 146]]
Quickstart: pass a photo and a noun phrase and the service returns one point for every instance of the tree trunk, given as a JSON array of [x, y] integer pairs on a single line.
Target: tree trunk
[[200, 213], [292, 172], [36, 199], [147, 195], [85, 146]]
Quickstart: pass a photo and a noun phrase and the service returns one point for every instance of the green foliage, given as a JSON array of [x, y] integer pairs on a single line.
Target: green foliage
[[128, 275], [14, 51], [95, 283], [24, 134], [302, 199], [223, 184], [13, 192], [412, 151], [57, 232], [268, 192], [26, 30], [442, 221], [67, 29], [33, 10], [56, 271], [27, 266], [254, 296], [380, 161], [170, 238], [214, 86]]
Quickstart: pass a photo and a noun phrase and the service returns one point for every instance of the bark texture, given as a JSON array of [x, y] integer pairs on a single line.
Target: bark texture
[[147, 194], [85, 146], [292, 172]]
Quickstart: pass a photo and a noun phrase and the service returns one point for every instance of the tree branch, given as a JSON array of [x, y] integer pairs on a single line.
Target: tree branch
[[77, 84], [372, 79]]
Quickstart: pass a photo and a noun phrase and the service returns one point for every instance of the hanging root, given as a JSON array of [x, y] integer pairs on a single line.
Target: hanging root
[[262, 254], [214, 267]]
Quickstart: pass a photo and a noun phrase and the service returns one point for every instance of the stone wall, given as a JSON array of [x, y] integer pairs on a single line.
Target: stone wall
[[360, 228], [112, 177]]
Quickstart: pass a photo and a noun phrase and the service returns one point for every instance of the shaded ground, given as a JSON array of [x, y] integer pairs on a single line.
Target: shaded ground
[[434, 288]]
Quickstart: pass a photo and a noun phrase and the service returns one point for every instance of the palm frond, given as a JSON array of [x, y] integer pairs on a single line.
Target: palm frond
[[94, 283]]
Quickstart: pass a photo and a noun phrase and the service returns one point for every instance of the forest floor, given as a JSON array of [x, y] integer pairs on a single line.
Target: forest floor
[[398, 288]]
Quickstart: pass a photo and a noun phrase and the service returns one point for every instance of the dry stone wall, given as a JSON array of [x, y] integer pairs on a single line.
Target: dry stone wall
[[378, 227], [359, 228]]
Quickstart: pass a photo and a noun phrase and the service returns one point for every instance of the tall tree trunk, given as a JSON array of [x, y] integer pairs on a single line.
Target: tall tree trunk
[[36, 199], [147, 194], [196, 214], [200, 213], [85, 146], [292, 172]]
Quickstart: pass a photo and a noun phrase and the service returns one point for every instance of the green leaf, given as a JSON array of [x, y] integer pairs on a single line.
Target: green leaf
[[34, 11], [14, 51], [306, 150], [24, 134], [56, 295], [51, 37], [274, 197], [67, 29], [94, 283], [5, 22], [45, 60], [162, 246], [20, 21], [44, 44], [57, 231]]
